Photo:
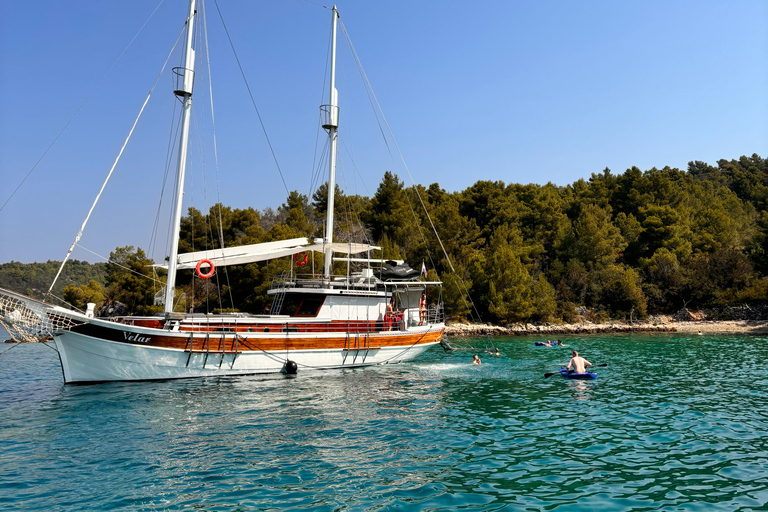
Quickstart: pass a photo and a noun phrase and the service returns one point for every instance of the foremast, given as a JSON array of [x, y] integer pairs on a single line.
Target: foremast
[[185, 78], [331, 123]]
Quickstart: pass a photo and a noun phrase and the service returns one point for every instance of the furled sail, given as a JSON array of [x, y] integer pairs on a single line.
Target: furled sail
[[243, 254]]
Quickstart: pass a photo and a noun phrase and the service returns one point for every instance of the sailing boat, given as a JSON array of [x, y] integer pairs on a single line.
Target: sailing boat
[[317, 320]]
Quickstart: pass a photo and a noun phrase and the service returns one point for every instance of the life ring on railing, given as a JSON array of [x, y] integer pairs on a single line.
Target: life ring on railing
[[300, 258], [209, 274]]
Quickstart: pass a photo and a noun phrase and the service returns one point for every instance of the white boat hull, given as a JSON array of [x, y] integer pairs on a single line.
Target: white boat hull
[[88, 359]]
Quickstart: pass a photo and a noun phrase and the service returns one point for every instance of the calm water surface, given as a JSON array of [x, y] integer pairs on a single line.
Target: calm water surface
[[673, 423]]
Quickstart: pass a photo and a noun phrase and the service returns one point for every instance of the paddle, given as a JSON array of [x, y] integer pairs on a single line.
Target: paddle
[[548, 375]]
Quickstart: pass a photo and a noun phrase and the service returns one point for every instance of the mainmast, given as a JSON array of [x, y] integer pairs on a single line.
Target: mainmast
[[331, 123], [184, 80]]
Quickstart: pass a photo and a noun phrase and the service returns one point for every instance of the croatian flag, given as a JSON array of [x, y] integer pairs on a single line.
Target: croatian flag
[[424, 269]]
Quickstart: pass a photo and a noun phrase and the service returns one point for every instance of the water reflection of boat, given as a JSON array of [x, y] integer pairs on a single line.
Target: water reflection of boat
[[317, 320]]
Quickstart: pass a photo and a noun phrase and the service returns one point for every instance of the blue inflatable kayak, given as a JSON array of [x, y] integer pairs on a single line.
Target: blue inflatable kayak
[[545, 344], [574, 375]]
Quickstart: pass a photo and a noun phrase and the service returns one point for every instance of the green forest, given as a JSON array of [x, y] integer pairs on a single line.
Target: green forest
[[615, 246]]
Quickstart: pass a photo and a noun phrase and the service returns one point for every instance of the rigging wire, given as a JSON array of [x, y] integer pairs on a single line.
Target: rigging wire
[[208, 227], [253, 101], [120, 154], [199, 120], [317, 173], [373, 99], [368, 88], [151, 246], [80, 107], [209, 218], [317, 5], [112, 262], [355, 171], [215, 152], [168, 234], [354, 214], [315, 163]]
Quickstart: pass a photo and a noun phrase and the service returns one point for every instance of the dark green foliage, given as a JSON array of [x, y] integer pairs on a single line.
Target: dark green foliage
[[34, 279], [509, 284], [130, 280], [620, 246], [80, 296], [391, 213], [297, 213]]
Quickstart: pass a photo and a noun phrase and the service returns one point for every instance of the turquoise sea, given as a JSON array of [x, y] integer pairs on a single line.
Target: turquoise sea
[[673, 423]]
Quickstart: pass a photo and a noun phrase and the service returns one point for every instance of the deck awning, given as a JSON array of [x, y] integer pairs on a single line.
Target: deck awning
[[244, 254]]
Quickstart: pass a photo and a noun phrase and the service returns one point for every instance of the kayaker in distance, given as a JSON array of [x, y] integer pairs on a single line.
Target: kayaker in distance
[[476, 360], [579, 363]]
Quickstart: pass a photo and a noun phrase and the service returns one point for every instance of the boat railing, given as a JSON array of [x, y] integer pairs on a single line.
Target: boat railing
[[316, 280], [401, 321], [281, 281], [435, 313], [159, 298]]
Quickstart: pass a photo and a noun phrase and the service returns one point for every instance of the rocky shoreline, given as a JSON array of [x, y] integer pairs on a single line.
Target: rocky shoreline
[[661, 325]]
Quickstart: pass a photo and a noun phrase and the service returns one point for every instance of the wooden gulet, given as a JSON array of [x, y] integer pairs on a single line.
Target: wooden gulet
[[317, 321], [147, 348]]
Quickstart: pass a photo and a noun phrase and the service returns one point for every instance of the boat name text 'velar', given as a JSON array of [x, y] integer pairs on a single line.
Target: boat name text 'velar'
[[137, 338]]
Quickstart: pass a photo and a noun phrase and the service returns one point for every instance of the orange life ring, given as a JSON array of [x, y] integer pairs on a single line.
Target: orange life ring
[[210, 272], [297, 258]]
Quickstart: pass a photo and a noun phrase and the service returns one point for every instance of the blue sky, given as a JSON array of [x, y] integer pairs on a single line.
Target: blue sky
[[522, 92]]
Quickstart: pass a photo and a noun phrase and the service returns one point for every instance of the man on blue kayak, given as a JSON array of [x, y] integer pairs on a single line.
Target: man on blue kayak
[[579, 363]]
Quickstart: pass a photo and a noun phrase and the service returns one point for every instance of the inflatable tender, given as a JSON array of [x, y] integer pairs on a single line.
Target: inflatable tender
[[573, 375]]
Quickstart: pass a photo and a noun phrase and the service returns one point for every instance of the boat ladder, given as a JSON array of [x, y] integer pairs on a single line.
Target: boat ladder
[[205, 348], [356, 343], [277, 304]]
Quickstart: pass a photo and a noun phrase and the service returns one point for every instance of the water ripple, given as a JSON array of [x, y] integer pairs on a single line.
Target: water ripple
[[674, 423]]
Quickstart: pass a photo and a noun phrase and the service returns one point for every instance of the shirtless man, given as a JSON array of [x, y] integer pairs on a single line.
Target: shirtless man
[[579, 363]]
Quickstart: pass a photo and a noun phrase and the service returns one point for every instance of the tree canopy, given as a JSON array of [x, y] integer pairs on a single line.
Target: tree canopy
[[630, 244]]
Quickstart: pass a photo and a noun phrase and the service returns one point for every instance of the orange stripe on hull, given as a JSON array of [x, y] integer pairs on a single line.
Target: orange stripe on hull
[[227, 342]]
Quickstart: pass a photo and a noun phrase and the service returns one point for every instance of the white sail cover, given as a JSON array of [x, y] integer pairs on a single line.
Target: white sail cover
[[344, 248], [243, 254]]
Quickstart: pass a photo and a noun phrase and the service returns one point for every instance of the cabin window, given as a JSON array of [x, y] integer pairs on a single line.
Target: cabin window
[[310, 306], [302, 305]]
